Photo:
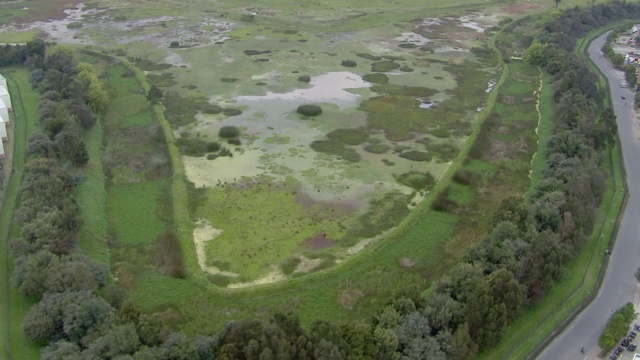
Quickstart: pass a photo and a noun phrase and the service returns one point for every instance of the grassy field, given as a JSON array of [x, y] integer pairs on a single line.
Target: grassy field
[[92, 197], [14, 306]]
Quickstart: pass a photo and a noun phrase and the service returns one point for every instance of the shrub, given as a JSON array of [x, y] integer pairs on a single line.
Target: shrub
[[415, 155], [348, 63], [192, 147], [212, 109], [376, 78], [74, 25], [235, 141], [309, 110], [384, 66], [213, 146], [174, 44], [368, 56], [289, 265], [231, 112], [336, 148], [377, 148], [212, 157], [417, 180], [444, 204], [229, 132], [349, 136], [408, 46], [406, 69], [304, 78], [228, 80], [464, 177]]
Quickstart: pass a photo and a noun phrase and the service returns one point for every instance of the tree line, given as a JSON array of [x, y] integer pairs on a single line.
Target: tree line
[[508, 270]]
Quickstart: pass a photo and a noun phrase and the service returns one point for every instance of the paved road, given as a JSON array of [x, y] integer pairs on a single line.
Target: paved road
[[620, 285]]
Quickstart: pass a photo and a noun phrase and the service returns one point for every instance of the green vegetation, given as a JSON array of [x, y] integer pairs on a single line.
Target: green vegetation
[[384, 66], [349, 63], [336, 148], [229, 132], [417, 180], [349, 136], [309, 110], [617, 327], [376, 78]]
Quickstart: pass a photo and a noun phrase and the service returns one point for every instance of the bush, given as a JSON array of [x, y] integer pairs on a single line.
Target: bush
[[377, 148], [415, 155], [213, 146], [192, 147], [417, 180], [349, 136], [232, 112], [304, 78], [229, 132], [228, 80], [74, 25], [174, 44], [348, 63], [376, 78], [235, 141], [336, 148], [463, 177], [309, 110], [443, 204], [289, 265], [212, 109], [384, 66]]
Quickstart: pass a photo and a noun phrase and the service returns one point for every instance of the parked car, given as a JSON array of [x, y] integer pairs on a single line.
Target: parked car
[[626, 342], [619, 350], [613, 357], [631, 347], [623, 84]]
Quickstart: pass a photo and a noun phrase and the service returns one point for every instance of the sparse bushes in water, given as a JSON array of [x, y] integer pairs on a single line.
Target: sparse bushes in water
[[348, 63], [309, 110], [229, 132], [336, 148]]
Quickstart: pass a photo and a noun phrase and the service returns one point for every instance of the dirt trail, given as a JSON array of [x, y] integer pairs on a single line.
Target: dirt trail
[[202, 234]]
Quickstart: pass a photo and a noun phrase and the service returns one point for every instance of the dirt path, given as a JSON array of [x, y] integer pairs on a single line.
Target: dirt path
[[202, 234]]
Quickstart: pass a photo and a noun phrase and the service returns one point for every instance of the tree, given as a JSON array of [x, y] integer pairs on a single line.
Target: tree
[[462, 345], [37, 325], [154, 95], [118, 340], [486, 317], [61, 349], [40, 145], [506, 290]]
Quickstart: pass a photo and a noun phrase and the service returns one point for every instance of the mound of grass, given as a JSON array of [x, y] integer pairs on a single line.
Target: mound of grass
[[440, 133], [290, 265], [192, 146], [444, 152], [463, 177], [417, 180], [408, 45], [384, 66], [229, 132], [228, 80], [393, 57], [391, 89], [232, 112], [376, 78], [74, 25], [348, 63], [336, 148], [169, 257], [309, 110], [162, 80], [304, 78], [369, 56], [212, 109], [256, 52], [235, 141], [406, 69], [349, 136], [213, 146], [415, 155], [377, 148]]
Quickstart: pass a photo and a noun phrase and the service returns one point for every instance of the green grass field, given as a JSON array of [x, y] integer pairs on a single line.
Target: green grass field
[[13, 306]]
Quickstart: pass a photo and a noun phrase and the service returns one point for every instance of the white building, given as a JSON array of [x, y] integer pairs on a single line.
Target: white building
[[1, 150], [5, 97], [4, 113], [3, 131], [3, 82]]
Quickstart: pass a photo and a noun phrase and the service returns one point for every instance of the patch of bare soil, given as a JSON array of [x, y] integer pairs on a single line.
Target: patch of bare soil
[[306, 265], [318, 242], [268, 278], [520, 8], [349, 298], [407, 263]]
